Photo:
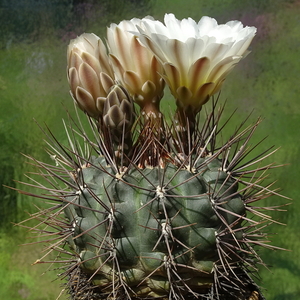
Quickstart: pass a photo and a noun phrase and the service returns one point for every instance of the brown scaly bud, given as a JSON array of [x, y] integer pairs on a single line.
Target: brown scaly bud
[[89, 73], [118, 117]]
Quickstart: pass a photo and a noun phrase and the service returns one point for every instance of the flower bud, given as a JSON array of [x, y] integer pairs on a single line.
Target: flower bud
[[118, 112], [89, 73]]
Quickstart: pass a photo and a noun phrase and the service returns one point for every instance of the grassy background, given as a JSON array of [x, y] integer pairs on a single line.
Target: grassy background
[[34, 36]]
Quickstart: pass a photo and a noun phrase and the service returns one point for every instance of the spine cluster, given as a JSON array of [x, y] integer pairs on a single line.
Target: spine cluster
[[188, 227]]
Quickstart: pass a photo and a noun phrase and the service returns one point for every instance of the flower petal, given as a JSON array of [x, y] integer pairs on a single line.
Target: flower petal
[[156, 45], [106, 82], [195, 48], [100, 101], [75, 59], [172, 77], [102, 56], [178, 56], [89, 80], [203, 93], [149, 87], [91, 61], [216, 51], [198, 72], [184, 95], [132, 80], [222, 67], [73, 79], [142, 57], [156, 71], [86, 102]]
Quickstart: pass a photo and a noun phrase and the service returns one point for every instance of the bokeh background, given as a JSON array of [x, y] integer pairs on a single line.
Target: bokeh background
[[34, 35]]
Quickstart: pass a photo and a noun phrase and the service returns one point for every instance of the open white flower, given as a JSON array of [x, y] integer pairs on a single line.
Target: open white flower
[[89, 73], [196, 56], [136, 68]]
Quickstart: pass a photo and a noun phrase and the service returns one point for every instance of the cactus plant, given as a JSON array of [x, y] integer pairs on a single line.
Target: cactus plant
[[146, 208]]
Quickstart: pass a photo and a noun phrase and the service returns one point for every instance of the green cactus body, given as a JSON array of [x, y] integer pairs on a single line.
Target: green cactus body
[[151, 223], [183, 227]]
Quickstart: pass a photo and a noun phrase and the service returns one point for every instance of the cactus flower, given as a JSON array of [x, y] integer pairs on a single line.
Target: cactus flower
[[196, 56], [89, 73], [136, 68]]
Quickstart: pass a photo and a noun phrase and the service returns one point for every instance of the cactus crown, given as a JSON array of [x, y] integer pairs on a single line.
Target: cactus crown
[[145, 208]]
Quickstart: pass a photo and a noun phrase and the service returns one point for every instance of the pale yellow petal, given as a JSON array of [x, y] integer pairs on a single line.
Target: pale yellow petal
[[106, 82], [177, 54], [155, 48], [132, 81], [121, 44], [172, 76], [102, 56], [89, 80], [184, 95], [156, 70], [91, 61], [75, 59], [86, 102], [203, 93], [198, 73], [149, 88], [90, 42], [222, 67], [73, 79], [118, 67], [142, 58]]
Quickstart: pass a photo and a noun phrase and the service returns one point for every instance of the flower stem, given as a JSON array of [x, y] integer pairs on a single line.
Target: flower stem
[[185, 119], [152, 137], [152, 117]]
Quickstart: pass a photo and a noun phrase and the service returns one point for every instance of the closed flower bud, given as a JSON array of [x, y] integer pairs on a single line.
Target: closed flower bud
[[118, 112], [89, 73]]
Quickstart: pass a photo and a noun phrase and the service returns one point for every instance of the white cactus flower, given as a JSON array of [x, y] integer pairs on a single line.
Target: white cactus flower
[[196, 56], [136, 68], [89, 73]]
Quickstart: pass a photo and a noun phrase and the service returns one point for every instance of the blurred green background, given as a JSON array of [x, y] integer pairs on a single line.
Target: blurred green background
[[34, 35]]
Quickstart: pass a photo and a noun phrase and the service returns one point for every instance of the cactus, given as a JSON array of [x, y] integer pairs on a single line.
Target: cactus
[[146, 208]]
